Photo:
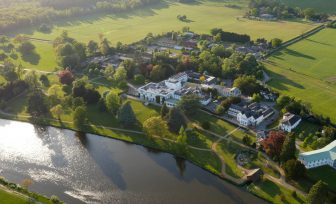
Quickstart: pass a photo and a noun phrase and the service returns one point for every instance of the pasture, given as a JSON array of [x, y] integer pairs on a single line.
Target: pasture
[[132, 26], [328, 6], [307, 71]]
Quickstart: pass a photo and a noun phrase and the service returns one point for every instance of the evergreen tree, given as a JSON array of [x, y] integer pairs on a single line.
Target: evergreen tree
[[164, 111], [126, 115], [181, 141], [189, 104], [317, 194], [79, 117], [288, 148], [294, 169], [175, 120]]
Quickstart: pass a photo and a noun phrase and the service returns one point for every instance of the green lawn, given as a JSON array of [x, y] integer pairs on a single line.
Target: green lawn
[[306, 70], [271, 191], [133, 26], [318, 5], [11, 198]]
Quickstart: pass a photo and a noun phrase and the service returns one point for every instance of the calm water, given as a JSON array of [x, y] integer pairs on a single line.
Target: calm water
[[93, 169]]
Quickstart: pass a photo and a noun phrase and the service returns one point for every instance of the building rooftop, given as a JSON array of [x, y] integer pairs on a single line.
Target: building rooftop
[[290, 119], [328, 151]]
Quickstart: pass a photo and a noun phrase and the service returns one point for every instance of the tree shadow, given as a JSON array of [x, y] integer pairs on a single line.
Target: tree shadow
[[322, 43], [281, 82], [297, 54]]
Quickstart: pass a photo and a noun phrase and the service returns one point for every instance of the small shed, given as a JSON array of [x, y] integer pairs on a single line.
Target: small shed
[[254, 175]]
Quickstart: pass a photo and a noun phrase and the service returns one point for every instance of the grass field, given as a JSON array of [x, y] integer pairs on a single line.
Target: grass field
[[133, 26], [319, 5], [307, 71], [11, 198]]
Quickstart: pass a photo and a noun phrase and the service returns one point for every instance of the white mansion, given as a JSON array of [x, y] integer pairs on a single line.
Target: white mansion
[[171, 90], [321, 157]]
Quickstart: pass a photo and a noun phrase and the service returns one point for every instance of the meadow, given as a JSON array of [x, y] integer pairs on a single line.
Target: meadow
[[319, 5], [132, 26], [307, 71]]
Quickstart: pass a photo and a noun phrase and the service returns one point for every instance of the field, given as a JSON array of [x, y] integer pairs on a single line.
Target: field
[[11, 198], [319, 5], [307, 71], [133, 26]]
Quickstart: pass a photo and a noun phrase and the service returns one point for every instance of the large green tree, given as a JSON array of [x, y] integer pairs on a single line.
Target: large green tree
[[189, 104], [317, 194], [294, 169], [113, 102], [288, 148], [126, 115], [79, 117], [175, 120], [155, 127]]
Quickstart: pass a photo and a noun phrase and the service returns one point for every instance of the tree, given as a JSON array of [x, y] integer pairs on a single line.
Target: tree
[[8, 71], [276, 42], [181, 141], [104, 46], [317, 194], [113, 102], [308, 13], [273, 144], [55, 94], [4, 39], [79, 117], [155, 127], [37, 104], [294, 169], [26, 48], [256, 97], [120, 75], [288, 148], [139, 79], [77, 102], [247, 140], [57, 111], [109, 72], [189, 104], [92, 47], [65, 77], [247, 84], [126, 115], [164, 111], [175, 120], [32, 79]]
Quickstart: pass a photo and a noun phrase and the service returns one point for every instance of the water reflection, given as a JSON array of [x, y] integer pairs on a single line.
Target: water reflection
[[84, 168]]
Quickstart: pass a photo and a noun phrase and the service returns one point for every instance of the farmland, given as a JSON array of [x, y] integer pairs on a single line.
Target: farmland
[[307, 71], [135, 25]]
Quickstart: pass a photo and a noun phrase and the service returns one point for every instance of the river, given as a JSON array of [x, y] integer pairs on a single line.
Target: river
[[93, 169]]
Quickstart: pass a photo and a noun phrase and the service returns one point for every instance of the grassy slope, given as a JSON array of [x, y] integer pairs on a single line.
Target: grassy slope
[[10, 198], [306, 70], [271, 191], [318, 5], [134, 26]]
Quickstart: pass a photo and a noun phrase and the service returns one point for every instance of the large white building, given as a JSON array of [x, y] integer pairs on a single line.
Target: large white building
[[321, 157], [250, 115], [289, 122], [170, 91]]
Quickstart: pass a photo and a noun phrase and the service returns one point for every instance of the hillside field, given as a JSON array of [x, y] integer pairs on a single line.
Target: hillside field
[[318, 5], [307, 70], [133, 26]]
